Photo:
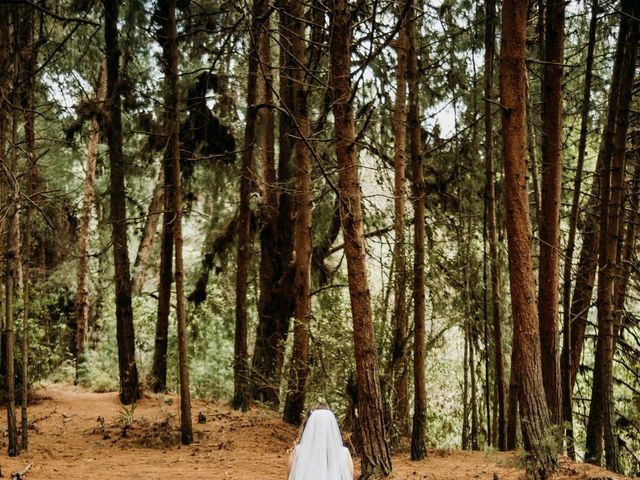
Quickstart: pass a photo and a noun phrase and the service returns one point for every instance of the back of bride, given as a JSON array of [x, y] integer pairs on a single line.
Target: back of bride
[[320, 455]]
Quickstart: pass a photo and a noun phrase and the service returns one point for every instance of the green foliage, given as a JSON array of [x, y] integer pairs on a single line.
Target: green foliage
[[127, 415]]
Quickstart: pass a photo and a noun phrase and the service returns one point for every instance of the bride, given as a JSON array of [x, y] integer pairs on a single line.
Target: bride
[[320, 455]]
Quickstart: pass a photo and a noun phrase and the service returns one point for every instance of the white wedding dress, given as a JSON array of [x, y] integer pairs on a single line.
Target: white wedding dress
[[320, 454]]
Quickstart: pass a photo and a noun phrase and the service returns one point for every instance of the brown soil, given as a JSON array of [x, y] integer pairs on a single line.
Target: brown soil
[[81, 435]]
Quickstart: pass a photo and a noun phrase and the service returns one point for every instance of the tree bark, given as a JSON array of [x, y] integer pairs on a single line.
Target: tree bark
[[82, 292], [375, 457], [158, 377], [474, 391], [172, 128], [566, 360], [601, 414], [489, 40], [465, 389], [398, 361], [141, 263], [418, 434], [240, 369], [628, 250], [10, 281], [541, 459], [129, 390], [294, 405], [11, 259], [30, 56], [551, 189], [512, 411], [276, 303]]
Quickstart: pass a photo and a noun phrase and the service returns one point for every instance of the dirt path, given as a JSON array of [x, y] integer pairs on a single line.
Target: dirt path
[[81, 435]]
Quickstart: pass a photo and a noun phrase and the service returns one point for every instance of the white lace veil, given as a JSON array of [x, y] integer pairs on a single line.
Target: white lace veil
[[320, 455]]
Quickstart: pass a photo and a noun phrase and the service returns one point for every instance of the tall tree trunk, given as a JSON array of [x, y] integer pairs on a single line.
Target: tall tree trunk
[[276, 302], [601, 415], [398, 361], [566, 363], [129, 390], [82, 292], [489, 40], [240, 369], [5, 189], [541, 459], [30, 54], [158, 377], [548, 285], [11, 259], [294, 405], [141, 263], [375, 457], [172, 128], [418, 434]]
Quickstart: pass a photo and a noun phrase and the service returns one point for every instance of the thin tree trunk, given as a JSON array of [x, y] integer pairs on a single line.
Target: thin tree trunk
[[294, 405], [489, 40], [158, 377], [541, 459], [601, 415], [465, 389], [129, 390], [82, 292], [566, 358], [474, 392], [512, 411], [172, 128], [419, 431], [375, 457], [141, 264], [548, 284], [30, 54], [398, 362], [11, 258], [10, 280], [628, 250]]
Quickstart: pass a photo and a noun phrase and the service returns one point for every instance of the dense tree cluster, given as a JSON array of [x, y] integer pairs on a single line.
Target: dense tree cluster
[[424, 214]]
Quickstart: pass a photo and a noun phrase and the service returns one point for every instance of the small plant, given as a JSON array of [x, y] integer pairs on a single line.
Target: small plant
[[127, 415]]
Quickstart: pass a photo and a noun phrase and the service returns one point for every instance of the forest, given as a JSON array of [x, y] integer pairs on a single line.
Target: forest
[[423, 214]]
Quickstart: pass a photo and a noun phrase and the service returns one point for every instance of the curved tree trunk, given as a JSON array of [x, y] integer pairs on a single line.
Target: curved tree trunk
[[129, 390], [541, 459], [375, 457]]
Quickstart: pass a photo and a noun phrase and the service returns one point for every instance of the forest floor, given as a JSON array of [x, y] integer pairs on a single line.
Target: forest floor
[[75, 434]]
